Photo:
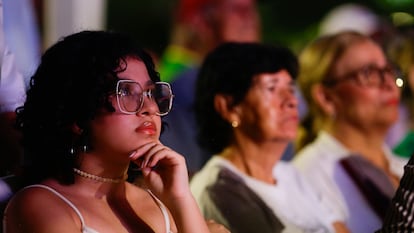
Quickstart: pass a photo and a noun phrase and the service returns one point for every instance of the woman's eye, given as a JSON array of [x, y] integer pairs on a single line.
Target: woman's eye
[[124, 92], [271, 88]]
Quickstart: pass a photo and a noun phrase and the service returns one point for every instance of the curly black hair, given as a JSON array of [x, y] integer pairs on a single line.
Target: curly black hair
[[229, 70], [70, 87]]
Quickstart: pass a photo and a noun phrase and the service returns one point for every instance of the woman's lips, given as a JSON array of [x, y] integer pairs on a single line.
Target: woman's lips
[[148, 128], [394, 101]]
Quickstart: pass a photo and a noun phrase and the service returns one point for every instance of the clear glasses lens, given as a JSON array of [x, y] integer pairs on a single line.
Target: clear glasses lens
[[130, 96], [375, 76], [162, 95], [370, 76]]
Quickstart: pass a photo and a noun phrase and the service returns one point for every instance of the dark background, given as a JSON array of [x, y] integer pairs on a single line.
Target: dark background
[[288, 22]]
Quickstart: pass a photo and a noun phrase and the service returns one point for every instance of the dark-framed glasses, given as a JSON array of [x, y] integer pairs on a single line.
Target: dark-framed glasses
[[369, 76], [130, 96]]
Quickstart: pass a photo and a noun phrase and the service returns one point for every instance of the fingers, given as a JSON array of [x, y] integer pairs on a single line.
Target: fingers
[[141, 150], [150, 155], [154, 155], [163, 169]]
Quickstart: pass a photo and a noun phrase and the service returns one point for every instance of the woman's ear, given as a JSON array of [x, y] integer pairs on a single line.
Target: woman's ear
[[224, 106], [324, 99]]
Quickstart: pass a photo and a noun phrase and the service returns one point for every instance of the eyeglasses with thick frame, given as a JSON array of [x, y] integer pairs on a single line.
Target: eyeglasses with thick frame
[[369, 76], [130, 96]]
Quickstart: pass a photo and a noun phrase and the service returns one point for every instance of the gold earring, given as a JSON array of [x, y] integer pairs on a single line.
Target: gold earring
[[234, 124]]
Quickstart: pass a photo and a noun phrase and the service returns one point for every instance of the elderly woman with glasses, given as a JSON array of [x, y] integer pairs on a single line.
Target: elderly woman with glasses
[[94, 106], [353, 94]]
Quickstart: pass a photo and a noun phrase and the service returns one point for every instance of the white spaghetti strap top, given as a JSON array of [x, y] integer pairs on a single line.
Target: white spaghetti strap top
[[163, 210], [86, 229]]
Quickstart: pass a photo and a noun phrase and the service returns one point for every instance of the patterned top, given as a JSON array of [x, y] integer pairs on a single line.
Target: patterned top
[[400, 216]]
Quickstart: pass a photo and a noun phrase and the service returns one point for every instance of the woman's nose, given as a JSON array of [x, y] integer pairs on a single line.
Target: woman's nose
[[290, 98], [149, 106]]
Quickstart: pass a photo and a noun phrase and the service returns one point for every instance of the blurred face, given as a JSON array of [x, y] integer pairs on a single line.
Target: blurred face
[[364, 105], [269, 111], [238, 20], [122, 133]]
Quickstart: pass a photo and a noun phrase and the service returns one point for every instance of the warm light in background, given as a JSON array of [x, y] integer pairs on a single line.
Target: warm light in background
[[399, 82]]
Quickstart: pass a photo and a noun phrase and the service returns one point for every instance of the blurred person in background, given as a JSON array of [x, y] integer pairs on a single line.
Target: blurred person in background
[[246, 108], [357, 17], [22, 34], [353, 99], [401, 52], [361, 18], [12, 95], [19, 56], [200, 25]]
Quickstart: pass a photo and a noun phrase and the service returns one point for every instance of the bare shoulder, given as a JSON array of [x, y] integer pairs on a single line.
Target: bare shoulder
[[33, 208]]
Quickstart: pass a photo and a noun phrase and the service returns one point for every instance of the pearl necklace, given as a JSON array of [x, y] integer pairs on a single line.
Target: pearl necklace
[[98, 178]]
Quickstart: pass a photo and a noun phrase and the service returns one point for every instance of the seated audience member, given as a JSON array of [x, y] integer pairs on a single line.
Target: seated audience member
[[12, 95], [199, 26], [353, 100], [247, 111], [94, 105]]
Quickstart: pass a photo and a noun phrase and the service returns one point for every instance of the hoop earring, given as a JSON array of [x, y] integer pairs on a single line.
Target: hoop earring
[[234, 124], [85, 148], [84, 141], [72, 150]]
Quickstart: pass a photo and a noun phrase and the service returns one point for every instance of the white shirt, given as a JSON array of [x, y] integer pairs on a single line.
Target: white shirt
[[319, 162], [12, 87], [292, 200], [5, 191]]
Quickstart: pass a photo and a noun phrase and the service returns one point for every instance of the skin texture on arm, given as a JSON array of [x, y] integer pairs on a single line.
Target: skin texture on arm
[[23, 213]]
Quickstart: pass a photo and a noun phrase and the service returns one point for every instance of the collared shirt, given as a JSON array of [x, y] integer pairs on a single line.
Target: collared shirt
[[319, 162]]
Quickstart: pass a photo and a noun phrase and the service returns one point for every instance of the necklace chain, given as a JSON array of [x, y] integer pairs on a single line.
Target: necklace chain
[[98, 178]]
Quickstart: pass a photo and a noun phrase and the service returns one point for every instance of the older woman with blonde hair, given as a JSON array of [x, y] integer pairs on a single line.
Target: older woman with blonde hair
[[352, 95]]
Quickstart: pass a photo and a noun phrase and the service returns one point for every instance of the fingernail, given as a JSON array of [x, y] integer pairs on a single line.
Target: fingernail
[[132, 154]]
